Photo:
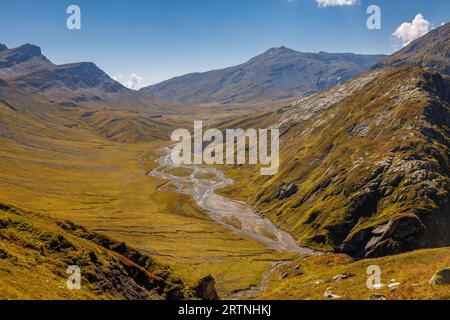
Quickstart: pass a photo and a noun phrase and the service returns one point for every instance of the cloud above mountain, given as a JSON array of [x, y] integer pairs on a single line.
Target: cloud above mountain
[[134, 82], [410, 31], [336, 3]]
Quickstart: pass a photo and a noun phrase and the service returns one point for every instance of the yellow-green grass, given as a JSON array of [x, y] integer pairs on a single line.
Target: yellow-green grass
[[180, 172], [206, 176], [103, 185], [36, 251]]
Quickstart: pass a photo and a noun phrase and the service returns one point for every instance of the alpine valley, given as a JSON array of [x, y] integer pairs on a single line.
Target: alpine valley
[[364, 179]]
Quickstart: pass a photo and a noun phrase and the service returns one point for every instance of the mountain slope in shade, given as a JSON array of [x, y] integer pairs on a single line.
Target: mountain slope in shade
[[276, 74], [432, 50]]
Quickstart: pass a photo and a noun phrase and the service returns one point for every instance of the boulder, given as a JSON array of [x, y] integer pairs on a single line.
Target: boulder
[[377, 296], [206, 289], [295, 272], [343, 276], [393, 285], [329, 294], [360, 130], [175, 292], [442, 277]]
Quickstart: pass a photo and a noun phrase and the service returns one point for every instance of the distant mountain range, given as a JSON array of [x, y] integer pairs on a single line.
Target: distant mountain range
[[279, 73], [69, 85]]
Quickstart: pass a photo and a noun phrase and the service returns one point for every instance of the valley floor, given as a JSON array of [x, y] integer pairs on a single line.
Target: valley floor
[[104, 186]]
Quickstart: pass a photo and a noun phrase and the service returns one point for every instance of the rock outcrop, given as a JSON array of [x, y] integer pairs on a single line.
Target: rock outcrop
[[206, 289], [442, 277]]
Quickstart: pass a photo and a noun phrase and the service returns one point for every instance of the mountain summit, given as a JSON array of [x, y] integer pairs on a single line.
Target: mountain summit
[[75, 84], [22, 60], [278, 73]]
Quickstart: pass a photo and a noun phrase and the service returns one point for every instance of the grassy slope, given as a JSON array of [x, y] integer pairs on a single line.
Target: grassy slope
[[36, 250], [413, 270], [71, 173], [331, 167]]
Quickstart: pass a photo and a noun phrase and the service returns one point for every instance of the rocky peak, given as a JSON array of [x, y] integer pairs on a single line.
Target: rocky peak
[[29, 50], [3, 47], [278, 51], [87, 75]]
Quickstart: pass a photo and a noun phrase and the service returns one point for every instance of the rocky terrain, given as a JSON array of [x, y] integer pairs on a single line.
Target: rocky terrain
[[364, 176], [365, 165], [86, 161]]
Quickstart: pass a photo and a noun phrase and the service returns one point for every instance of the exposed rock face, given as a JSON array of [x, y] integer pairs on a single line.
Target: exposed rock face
[[370, 160], [442, 277], [395, 237], [206, 289], [75, 76], [22, 60], [287, 191]]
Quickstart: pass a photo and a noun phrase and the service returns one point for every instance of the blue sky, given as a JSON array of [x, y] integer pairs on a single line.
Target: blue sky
[[159, 39]]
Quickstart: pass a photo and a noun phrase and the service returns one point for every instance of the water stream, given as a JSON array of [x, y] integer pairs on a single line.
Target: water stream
[[235, 215]]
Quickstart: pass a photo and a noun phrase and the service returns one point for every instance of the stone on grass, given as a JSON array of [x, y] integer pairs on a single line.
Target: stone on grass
[[442, 277]]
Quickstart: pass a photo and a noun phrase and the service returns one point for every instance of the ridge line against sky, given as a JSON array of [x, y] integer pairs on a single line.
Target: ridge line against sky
[[145, 42]]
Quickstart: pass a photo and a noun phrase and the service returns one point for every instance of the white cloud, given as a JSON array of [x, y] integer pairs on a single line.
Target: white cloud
[[134, 82], [336, 3], [410, 31]]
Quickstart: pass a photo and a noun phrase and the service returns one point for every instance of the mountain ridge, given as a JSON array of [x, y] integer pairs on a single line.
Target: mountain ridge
[[367, 162], [370, 168], [278, 73], [431, 50], [81, 84], [21, 61]]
